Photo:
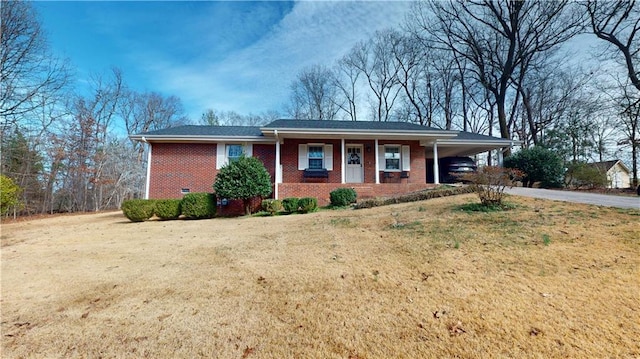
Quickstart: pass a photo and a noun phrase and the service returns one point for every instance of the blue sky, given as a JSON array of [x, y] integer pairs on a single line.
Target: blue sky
[[237, 55]]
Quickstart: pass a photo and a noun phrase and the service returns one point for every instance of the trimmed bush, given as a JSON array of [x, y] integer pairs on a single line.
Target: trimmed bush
[[308, 204], [198, 205], [290, 204], [138, 210], [272, 206], [343, 197], [168, 208], [245, 178]]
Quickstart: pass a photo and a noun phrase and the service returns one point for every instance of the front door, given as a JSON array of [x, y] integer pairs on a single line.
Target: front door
[[355, 170]]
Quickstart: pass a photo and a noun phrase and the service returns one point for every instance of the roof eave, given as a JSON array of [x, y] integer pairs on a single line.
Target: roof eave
[[199, 138], [356, 133]]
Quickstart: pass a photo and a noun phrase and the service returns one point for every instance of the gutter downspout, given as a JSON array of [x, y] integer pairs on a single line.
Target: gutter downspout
[[148, 179], [278, 170], [436, 169]]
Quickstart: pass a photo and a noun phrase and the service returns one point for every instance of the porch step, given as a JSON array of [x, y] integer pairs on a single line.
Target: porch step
[[364, 191]]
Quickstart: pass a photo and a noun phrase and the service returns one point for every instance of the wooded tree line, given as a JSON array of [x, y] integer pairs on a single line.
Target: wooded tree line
[[69, 152], [498, 68]]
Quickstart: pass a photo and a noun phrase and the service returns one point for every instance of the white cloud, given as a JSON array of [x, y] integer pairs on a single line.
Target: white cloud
[[256, 78]]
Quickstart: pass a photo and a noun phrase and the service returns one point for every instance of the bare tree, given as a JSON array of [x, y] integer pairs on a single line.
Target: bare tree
[[497, 39], [314, 94], [28, 71], [345, 79], [629, 122], [148, 111], [375, 60], [618, 23]]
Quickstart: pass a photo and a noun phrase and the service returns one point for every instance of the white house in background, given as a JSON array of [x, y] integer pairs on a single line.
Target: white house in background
[[618, 175]]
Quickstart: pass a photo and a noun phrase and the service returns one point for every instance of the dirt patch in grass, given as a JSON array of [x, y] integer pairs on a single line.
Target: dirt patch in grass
[[425, 279]]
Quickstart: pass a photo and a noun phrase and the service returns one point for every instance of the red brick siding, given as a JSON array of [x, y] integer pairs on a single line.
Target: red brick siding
[[267, 154], [417, 174], [175, 166], [289, 160]]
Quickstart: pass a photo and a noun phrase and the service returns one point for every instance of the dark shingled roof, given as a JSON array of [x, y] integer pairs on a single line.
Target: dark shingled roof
[[349, 125], [469, 136], [240, 131], [603, 166]]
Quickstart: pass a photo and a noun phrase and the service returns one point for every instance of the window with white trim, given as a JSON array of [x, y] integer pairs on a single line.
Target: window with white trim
[[392, 158], [315, 155], [234, 152]]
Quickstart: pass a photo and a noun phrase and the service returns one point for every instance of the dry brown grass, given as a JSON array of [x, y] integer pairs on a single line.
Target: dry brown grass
[[410, 280]]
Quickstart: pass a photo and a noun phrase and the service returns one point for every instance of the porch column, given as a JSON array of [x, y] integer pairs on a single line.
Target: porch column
[[278, 168], [343, 170], [436, 169], [148, 181], [500, 156], [376, 161]]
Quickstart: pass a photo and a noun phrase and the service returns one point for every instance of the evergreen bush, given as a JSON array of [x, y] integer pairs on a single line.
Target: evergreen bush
[[342, 197], [138, 210], [308, 204], [245, 178], [198, 205], [537, 164], [272, 206], [290, 204], [168, 208]]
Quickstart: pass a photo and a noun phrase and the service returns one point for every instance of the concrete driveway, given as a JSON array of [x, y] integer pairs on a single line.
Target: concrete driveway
[[577, 197]]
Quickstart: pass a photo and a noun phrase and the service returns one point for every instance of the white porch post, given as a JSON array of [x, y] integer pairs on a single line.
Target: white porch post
[[148, 181], [376, 161], [278, 168], [500, 156], [343, 170], [436, 169]]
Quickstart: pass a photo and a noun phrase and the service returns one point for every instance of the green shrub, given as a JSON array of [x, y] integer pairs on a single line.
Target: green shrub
[[168, 208], [198, 205], [581, 175], [245, 178], [291, 204], [308, 204], [272, 206], [537, 164], [342, 197], [138, 210], [9, 194]]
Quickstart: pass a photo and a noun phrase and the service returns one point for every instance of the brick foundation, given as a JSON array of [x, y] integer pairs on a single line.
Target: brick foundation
[[321, 191]]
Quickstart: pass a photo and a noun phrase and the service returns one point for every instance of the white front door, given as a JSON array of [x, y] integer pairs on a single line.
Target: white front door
[[355, 169]]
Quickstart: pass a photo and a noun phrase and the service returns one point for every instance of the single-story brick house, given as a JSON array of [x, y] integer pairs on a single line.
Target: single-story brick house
[[618, 175], [308, 158]]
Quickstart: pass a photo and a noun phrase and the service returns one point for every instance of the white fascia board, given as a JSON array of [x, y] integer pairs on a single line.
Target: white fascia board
[[360, 134], [201, 139], [453, 142]]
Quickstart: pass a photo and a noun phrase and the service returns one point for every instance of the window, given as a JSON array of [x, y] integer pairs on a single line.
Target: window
[[234, 152], [392, 157], [316, 157]]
